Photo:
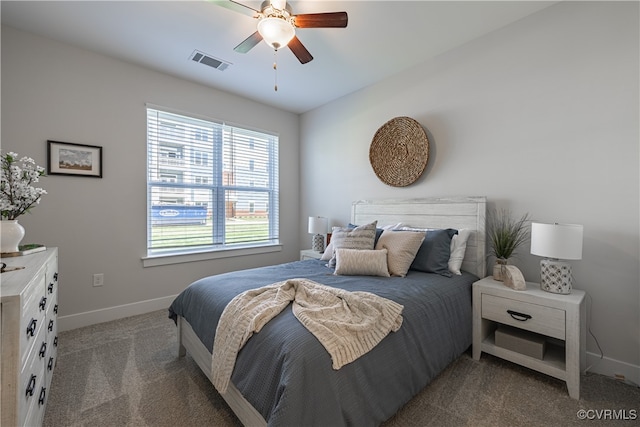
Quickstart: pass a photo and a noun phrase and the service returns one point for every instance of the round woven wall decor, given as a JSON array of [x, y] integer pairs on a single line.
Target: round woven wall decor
[[399, 152]]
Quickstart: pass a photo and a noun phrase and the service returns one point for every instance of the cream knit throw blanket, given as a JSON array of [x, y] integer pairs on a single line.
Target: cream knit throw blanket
[[348, 324]]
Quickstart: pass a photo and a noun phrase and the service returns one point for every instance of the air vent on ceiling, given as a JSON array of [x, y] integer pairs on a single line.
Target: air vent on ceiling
[[209, 60]]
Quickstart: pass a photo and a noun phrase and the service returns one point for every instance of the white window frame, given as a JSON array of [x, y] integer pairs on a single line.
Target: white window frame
[[222, 136]]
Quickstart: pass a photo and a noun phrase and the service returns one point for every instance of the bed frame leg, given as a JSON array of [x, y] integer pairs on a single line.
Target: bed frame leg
[[182, 351]]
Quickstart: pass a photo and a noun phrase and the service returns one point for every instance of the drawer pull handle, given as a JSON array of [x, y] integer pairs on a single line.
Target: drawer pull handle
[[43, 349], [520, 317], [50, 325], [50, 364], [55, 341], [55, 309], [55, 276], [31, 329], [50, 288], [31, 386], [43, 303], [43, 393]]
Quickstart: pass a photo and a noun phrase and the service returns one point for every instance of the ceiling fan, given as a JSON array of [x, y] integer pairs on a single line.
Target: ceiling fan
[[277, 24]]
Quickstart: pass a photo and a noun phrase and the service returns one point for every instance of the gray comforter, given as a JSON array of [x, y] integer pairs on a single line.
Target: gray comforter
[[286, 374]]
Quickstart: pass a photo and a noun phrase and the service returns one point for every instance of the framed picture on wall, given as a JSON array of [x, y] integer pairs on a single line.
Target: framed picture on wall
[[66, 158]]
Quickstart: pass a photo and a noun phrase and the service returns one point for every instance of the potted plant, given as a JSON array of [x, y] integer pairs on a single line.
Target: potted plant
[[17, 196], [505, 236]]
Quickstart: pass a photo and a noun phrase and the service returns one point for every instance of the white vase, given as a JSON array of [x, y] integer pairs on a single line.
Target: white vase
[[11, 234], [499, 269]]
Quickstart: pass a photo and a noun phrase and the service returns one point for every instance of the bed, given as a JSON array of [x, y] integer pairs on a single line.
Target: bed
[[283, 375]]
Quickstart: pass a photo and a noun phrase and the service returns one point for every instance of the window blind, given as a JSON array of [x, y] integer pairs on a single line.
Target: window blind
[[209, 185]]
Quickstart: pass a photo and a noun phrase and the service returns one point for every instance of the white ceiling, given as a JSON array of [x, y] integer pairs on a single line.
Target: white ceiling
[[381, 39]]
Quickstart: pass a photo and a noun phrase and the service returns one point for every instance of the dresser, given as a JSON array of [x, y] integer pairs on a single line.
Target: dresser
[[28, 316]]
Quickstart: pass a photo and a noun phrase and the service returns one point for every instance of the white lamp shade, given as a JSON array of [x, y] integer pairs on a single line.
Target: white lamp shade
[[276, 31], [318, 225], [560, 241]]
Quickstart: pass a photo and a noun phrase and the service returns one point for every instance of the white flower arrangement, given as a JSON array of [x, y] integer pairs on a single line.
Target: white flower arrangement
[[17, 192]]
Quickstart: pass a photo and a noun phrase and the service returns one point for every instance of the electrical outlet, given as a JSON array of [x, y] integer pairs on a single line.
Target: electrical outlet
[[98, 279]]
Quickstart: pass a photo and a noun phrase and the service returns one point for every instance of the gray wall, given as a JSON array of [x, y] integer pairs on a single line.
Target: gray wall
[[540, 117], [58, 92]]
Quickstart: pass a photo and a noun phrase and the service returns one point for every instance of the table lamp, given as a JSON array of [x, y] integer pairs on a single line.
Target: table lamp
[[556, 242], [318, 227]]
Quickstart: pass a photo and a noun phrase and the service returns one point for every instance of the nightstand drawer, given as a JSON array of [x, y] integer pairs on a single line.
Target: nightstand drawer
[[531, 317]]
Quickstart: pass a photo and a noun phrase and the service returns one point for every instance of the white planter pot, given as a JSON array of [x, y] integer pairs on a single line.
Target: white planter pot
[[11, 234]]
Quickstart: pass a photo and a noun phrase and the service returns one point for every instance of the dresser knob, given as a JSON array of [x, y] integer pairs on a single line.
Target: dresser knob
[[43, 394], [31, 329], [43, 349], [31, 386]]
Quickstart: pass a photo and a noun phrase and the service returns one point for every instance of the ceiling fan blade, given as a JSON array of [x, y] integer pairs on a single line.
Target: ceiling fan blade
[[299, 50], [248, 43], [237, 7], [321, 20]]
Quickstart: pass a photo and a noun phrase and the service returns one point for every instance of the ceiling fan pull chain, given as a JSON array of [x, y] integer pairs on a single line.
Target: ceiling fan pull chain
[[275, 69]]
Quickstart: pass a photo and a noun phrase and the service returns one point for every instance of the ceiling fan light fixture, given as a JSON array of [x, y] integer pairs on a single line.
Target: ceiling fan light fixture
[[276, 32]]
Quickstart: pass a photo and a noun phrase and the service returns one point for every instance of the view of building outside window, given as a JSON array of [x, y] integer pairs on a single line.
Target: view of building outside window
[[209, 184]]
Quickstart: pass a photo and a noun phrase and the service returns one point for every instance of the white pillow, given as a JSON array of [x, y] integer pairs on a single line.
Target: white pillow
[[361, 262], [458, 249], [402, 246], [328, 252]]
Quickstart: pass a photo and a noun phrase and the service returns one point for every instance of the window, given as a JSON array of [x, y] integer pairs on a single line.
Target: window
[[225, 196]]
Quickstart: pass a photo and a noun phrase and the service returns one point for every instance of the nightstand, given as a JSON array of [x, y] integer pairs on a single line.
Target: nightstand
[[310, 254], [558, 319]]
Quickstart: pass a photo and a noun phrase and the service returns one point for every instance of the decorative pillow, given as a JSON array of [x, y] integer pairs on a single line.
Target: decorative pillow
[[379, 230], [458, 249], [402, 247], [433, 256], [361, 262], [361, 237], [328, 252]]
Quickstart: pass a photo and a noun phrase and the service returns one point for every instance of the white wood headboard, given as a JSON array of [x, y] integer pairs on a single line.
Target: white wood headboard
[[455, 212]]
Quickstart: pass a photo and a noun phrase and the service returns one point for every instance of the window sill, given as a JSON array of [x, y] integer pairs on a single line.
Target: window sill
[[177, 258]]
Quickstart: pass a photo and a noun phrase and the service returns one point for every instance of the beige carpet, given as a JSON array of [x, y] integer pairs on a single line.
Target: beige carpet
[[127, 373]]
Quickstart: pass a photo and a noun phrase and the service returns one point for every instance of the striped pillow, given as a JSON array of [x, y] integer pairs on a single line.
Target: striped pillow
[[361, 237]]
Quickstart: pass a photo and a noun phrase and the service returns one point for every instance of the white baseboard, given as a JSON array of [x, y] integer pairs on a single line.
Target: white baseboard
[[74, 321], [610, 367]]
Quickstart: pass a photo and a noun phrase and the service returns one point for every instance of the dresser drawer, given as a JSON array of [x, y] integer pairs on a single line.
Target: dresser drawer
[[531, 317], [34, 309], [52, 349], [29, 391]]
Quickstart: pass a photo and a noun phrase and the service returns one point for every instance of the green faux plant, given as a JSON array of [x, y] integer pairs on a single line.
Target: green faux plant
[[506, 234]]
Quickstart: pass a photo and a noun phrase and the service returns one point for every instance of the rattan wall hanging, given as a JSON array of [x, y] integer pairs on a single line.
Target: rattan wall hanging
[[399, 152]]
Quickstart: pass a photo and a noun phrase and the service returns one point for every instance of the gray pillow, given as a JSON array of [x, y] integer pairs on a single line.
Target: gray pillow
[[434, 252]]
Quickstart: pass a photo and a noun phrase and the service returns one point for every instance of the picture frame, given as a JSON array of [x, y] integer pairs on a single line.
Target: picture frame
[[67, 158]]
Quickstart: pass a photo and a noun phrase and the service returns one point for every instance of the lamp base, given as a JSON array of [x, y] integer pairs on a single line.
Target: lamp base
[[318, 243], [555, 276]]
